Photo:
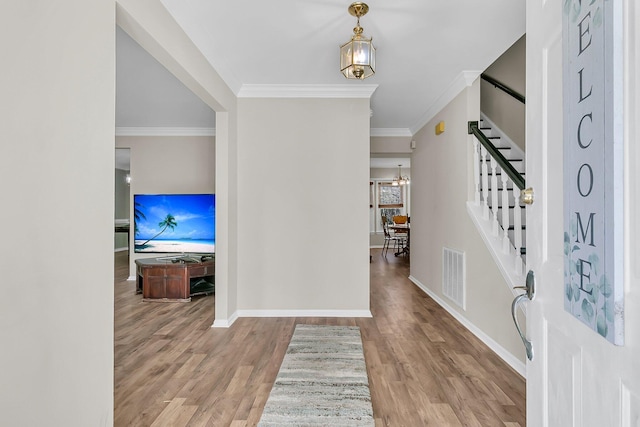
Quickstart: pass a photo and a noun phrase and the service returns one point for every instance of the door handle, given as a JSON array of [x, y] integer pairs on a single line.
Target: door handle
[[529, 294], [526, 196]]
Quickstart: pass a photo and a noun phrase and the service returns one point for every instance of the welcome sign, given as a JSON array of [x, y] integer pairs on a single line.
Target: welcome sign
[[593, 174]]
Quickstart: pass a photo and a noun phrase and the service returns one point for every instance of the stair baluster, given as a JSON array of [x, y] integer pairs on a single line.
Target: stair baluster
[[494, 197], [517, 227], [476, 171], [506, 243], [485, 183]]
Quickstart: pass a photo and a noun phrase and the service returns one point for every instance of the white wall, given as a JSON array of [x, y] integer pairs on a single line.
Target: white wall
[[293, 156], [505, 111], [151, 26], [390, 144], [388, 173], [57, 169], [144, 87], [440, 172], [168, 164], [121, 209]]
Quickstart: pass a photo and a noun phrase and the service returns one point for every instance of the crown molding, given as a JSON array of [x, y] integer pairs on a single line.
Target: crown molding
[[306, 91], [391, 132], [179, 131], [464, 80], [165, 131]]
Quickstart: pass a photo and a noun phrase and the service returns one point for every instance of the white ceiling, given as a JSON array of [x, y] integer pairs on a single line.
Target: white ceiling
[[423, 46], [426, 51], [149, 96]]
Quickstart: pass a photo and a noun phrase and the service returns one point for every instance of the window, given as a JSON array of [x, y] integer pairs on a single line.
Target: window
[[388, 200], [389, 196], [390, 213]]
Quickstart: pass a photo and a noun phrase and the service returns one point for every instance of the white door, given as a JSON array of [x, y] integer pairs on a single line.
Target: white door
[[576, 378]]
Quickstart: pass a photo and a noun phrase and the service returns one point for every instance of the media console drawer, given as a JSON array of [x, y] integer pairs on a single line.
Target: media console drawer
[[201, 270], [163, 280]]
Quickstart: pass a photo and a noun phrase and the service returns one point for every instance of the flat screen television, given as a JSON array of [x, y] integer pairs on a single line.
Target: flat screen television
[[175, 223]]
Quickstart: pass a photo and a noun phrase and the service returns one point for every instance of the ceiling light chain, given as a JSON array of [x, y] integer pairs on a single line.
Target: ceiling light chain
[[358, 29]]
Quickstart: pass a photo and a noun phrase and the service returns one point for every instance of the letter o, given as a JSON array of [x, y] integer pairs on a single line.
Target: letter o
[[579, 180]]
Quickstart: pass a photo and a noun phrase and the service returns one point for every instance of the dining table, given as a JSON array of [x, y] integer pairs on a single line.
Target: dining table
[[402, 228]]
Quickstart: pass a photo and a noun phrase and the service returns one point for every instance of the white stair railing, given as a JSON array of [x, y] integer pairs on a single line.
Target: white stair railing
[[486, 198]]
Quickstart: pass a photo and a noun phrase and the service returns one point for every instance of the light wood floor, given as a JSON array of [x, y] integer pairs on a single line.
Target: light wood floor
[[425, 369]]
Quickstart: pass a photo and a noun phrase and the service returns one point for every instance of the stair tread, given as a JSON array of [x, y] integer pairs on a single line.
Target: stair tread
[[498, 139], [499, 173], [524, 227], [513, 160]]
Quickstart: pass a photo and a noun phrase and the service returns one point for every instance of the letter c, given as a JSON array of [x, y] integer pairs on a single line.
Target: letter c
[[590, 115]]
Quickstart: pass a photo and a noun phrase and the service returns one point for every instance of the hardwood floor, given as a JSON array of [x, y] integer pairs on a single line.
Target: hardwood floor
[[425, 369]]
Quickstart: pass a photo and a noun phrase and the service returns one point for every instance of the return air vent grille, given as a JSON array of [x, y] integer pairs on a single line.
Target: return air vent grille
[[453, 276]]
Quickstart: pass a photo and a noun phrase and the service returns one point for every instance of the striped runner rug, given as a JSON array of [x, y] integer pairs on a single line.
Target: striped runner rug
[[322, 381]]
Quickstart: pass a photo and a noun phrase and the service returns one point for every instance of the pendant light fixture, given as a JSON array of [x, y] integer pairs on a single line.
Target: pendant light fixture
[[400, 180], [358, 55]]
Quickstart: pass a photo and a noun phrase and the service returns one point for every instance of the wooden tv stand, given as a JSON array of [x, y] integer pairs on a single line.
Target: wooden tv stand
[[165, 280]]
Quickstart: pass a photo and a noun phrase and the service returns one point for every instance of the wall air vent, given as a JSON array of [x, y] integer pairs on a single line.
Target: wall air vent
[[453, 276]]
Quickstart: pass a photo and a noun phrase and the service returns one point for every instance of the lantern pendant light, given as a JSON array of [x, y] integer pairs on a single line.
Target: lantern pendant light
[[358, 55]]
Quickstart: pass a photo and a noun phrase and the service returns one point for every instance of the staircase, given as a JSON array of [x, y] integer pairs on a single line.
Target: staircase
[[496, 209], [515, 156]]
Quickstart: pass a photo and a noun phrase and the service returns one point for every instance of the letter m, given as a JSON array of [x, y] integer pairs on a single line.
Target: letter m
[[582, 232]]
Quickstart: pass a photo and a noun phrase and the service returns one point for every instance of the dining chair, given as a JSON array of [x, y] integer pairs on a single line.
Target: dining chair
[[400, 219], [398, 241]]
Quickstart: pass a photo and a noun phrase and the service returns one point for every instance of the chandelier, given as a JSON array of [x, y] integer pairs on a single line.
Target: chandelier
[[400, 179], [358, 55]]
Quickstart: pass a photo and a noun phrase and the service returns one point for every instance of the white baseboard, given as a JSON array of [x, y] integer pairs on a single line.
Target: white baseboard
[[131, 278], [304, 313], [505, 355], [225, 323]]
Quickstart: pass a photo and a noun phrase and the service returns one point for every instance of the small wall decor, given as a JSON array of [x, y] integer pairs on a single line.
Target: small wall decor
[[593, 165]]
